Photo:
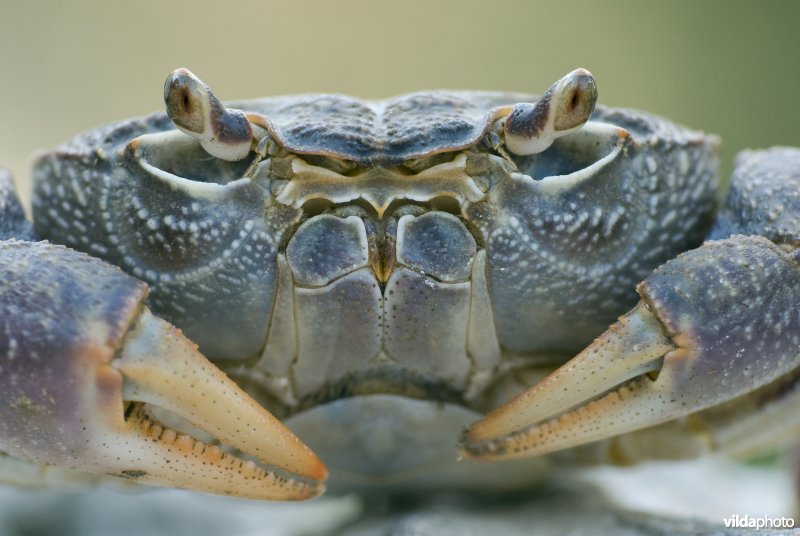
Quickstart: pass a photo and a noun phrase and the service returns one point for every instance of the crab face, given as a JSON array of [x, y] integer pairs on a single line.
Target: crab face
[[381, 273]]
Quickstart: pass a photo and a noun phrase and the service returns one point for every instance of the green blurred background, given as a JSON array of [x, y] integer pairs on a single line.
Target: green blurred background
[[728, 67]]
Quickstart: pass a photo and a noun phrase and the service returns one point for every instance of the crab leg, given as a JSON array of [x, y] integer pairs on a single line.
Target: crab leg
[[82, 360], [12, 218], [719, 324]]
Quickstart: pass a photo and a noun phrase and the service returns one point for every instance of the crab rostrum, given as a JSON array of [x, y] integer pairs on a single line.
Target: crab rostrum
[[379, 275]]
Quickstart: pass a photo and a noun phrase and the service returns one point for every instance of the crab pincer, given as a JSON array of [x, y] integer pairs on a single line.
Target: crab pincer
[[83, 362], [714, 325]]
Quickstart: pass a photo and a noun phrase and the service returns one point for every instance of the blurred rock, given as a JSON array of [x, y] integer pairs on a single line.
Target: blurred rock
[[653, 499]]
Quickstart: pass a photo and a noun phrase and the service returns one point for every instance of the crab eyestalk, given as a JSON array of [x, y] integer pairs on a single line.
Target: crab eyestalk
[[223, 132], [564, 108]]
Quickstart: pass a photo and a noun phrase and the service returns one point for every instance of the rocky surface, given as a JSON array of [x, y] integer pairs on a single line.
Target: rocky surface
[[655, 499]]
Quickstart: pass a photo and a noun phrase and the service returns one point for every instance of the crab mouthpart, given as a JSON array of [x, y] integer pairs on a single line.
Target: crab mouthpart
[[160, 367], [605, 390]]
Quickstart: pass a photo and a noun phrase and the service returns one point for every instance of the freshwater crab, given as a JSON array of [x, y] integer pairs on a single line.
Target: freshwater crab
[[379, 275]]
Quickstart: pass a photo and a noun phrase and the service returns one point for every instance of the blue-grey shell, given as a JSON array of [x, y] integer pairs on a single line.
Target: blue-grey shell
[[370, 132], [391, 130]]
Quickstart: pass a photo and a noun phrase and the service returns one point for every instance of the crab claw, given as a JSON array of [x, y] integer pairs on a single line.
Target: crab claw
[[82, 361], [714, 325]]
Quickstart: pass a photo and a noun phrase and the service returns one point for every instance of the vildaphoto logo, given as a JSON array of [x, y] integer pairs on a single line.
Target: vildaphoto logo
[[762, 522]]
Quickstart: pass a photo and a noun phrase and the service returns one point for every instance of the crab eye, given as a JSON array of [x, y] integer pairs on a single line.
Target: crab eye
[[565, 107], [196, 111], [186, 101], [577, 95]]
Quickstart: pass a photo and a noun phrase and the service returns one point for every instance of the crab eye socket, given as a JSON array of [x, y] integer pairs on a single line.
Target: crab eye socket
[[172, 155], [186, 98], [574, 157]]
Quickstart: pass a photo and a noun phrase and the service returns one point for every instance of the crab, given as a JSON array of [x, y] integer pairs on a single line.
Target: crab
[[409, 287]]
